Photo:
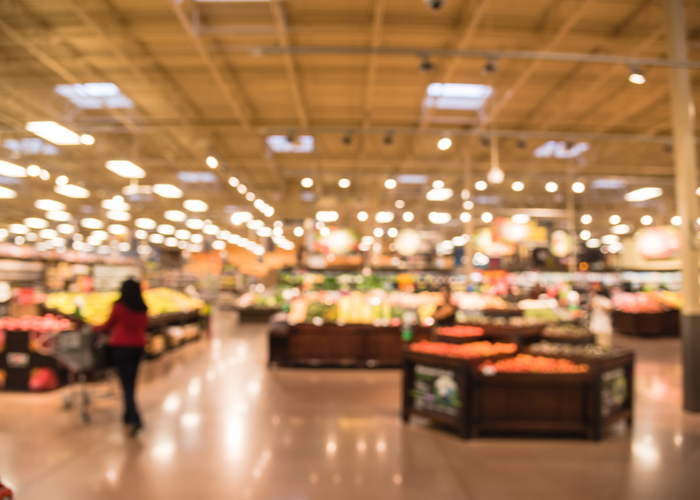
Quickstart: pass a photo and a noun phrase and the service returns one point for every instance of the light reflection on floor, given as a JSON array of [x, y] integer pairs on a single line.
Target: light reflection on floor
[[219, 424]]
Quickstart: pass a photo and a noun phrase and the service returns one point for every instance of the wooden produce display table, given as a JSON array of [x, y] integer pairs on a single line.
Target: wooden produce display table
[[455, 393], [647, 324], [335, 345], [438, 388], [256, 314]]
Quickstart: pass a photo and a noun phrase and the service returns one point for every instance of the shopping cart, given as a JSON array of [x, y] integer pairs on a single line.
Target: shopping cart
[[76, 350]]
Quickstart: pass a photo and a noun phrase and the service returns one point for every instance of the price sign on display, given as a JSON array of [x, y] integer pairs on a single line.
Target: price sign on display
[[436, 389]]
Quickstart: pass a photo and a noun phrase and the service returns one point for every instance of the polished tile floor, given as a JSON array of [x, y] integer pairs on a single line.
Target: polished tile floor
[[220, 425]]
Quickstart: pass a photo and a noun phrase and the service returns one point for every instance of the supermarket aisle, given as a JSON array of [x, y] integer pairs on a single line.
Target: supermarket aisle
[[220, 425]]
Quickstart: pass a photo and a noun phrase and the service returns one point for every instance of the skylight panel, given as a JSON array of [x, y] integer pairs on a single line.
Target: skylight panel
[[281, 144], [457, 96], [103, 95], [30, 146], [561, 150]]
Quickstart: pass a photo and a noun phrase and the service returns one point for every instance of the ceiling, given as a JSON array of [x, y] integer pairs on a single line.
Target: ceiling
[[216, 78]]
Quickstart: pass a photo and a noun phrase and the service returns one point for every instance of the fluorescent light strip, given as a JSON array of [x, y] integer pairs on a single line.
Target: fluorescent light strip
[[55, 133]]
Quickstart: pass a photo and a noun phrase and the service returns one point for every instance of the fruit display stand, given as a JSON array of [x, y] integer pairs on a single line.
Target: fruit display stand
[[521, 335], [647, 324], [330, 344], [25, 360], [554, 403], [584, 397], [254, 314], [439, 387], [335, 345], [172, 330]]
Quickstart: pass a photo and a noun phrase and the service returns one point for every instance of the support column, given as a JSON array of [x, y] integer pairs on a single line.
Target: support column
[[571, 220], [685, 160]]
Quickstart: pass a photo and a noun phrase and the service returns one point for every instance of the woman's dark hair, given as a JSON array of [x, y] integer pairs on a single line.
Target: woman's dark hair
[[131, 296]]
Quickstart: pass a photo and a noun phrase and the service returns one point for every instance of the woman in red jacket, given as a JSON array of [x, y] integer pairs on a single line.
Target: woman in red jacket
[[127, 326]]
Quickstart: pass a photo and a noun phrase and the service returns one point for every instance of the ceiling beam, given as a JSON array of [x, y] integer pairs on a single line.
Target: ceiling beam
[[375, 41], [227, 90], [464, 40], [595, 87], [280, 16], [528, 72]]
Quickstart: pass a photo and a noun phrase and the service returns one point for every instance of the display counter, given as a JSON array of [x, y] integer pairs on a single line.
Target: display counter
[[658, 324], [335, 345], [475, 398], [255, 314]]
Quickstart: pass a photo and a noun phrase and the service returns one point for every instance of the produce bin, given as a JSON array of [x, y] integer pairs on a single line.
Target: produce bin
[[335, 345], [583, 404], [256, 314]]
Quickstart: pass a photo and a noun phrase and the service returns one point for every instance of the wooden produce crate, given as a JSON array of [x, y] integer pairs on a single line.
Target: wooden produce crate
[[256, 314], [570, 339], [624, 322], [326, 345], [647, 324], [505, 313], [672, 323], [383, 346], [583, 404], [521, 335]]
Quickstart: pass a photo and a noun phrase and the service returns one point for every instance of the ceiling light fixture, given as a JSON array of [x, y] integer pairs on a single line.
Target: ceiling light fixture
[[439, 217], [465, 217], [212, 162], [439, 194], [91, 223], [615, 220], [126, 169], [390, 183], [517, 186], [167, 191], [362, 216], [72, 191], [7, 193], [644, 194], [481, 185], [49, 205], [175, 216], [58, 216], [54, 133], [344, 183], [118, 215], [143, 223], [195, 205], [495, 175], [307, 182], [585, 235], [586, 219], [520, 219], [384, 217], [444, 144], [637, 76], [578, 187], [647, 220], [551, 187], [486, 217], [8, 169], [327, 216], [408, 216]]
